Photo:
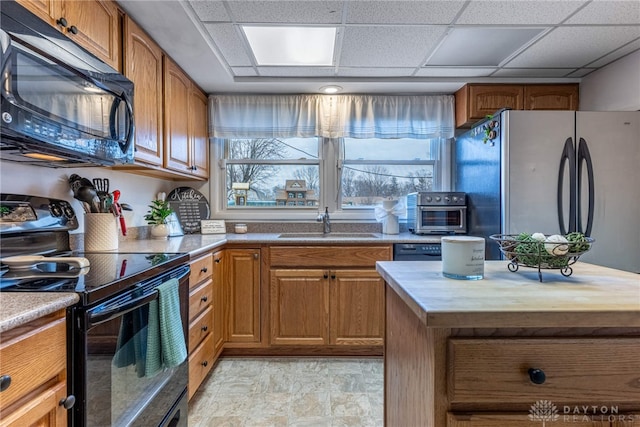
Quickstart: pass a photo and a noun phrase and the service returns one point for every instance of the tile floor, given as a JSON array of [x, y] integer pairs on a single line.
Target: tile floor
[[296, 392]]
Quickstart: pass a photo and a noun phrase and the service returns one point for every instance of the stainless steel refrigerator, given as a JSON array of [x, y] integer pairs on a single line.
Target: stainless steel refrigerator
[[555, 172]]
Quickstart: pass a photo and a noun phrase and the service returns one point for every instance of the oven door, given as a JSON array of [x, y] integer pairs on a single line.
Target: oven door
[[114, 380], [442, 219]]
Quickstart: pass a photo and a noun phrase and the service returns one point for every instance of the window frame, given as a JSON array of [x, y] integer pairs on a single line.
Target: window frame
[[329, 163]]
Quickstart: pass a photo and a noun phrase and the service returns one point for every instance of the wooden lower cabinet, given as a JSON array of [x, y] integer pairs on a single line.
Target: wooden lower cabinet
[[242, 296], [331, 306], [299, 306], [481, 377], [201, 352], [218, 302], [34, 357]]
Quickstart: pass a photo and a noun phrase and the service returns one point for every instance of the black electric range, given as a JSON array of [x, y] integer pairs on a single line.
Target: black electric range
[[108, 274]]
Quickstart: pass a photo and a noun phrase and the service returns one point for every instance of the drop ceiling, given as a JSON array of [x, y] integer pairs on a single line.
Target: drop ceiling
[[418, 46]]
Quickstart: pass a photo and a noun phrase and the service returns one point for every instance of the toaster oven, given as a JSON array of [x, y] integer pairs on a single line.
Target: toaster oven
[[437, 213]]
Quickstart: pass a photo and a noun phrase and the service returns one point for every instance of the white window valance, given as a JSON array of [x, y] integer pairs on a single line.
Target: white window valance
[[332, 116]]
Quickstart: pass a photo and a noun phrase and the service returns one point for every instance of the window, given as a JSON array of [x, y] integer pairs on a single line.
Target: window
[[377, 169], [272, 173]]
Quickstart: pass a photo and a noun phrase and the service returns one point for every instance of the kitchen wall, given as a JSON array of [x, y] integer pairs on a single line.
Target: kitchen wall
[[137, 190], [615, 87]]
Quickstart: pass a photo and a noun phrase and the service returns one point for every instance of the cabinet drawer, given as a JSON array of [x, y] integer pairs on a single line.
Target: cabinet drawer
[[518, 420], [33, 359], [200, 298], [201, 269], [576, 370], [200, 363], [334, 256], [200, 327]]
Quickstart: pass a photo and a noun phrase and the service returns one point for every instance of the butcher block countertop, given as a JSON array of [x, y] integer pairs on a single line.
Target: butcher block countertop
[[19, 308], [592, 296]]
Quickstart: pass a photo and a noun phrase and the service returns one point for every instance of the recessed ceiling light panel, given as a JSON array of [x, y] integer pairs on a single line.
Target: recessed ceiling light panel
[[294, 46]]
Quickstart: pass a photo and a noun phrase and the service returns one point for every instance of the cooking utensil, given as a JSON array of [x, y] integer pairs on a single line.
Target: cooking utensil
[[126, 207], [76, 181], [117, 211], [101, 184], [90, 196]]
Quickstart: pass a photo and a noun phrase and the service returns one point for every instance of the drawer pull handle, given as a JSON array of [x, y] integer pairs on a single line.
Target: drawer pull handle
[[537, 376], [203, 269], [204, 299], [5, 382], [205, 363], [204, 328], [326, 276], [68, 402], [218, 260]]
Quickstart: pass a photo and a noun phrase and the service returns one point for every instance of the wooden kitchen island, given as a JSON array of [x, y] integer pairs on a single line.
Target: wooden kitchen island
[[511, 351]]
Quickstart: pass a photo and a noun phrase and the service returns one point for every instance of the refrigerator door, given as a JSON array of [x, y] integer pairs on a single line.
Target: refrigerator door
[[613, 140], [533, 145]]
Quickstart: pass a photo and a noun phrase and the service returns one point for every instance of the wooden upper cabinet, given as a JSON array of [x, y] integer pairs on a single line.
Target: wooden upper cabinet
[[198, 133], [475, 101], [551, 97], [93, 24], [185, 116], [143, 66]]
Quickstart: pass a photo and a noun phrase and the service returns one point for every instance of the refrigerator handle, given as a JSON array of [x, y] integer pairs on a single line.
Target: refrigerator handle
[[568, 154], [584, 157]]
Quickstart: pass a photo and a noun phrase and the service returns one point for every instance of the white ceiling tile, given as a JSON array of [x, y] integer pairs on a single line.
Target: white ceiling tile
[[375, 72], [230, 43], [533, 72], [567, 47], [388, 45], [518, 12], [633, 46], [210, 10], [608, 12], [468, 46], [244, 71], [311, 12], [454, 72], [403, 12], [296, 71]]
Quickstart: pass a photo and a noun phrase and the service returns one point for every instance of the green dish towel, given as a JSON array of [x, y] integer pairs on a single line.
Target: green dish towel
[[166, 345]]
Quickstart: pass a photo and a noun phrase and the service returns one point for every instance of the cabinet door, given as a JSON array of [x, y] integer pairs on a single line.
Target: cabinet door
[[42, 410], [97, 23], [218, 301], [143, 66], [176, 117], [299, 307], [475, 101], [357, 307], [47, 10], [551, 97], [518, 420], [243, 293], [198, 133]]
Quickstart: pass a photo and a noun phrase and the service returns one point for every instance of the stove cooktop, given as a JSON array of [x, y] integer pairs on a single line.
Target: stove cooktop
[[108, 274]]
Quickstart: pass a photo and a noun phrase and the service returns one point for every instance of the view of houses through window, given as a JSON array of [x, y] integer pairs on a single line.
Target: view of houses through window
[[288, 172]]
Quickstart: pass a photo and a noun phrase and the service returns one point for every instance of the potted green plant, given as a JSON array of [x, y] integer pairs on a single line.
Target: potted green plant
[[157, 216]]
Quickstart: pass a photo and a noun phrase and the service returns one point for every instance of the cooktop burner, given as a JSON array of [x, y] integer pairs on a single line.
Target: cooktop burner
[[108, 273]]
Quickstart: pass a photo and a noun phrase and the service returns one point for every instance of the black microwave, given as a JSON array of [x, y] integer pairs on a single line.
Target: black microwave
[[61, 106]]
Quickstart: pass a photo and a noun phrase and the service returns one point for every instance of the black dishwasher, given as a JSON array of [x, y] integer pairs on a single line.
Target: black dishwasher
[[417, 252]]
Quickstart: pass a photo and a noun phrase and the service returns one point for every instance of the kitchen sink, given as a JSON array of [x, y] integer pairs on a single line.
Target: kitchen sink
[[327, 236]]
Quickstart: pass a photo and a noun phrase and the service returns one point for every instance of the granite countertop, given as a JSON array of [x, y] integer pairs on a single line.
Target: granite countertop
[[195, 244], [592, 296], [19, 308]]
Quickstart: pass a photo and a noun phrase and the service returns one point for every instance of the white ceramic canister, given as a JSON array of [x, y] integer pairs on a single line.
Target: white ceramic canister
[[463, 257], [100, 232]]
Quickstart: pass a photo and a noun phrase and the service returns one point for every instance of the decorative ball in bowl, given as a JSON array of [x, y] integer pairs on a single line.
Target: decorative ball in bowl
[[543, 251]]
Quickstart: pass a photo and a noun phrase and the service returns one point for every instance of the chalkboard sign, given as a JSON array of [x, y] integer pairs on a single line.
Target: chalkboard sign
[[191, 207]]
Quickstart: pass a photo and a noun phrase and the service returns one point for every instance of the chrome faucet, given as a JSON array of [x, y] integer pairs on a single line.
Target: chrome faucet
[[324, 217]]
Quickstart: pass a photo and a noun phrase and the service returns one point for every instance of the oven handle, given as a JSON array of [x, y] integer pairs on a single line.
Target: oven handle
[[102, 316]]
